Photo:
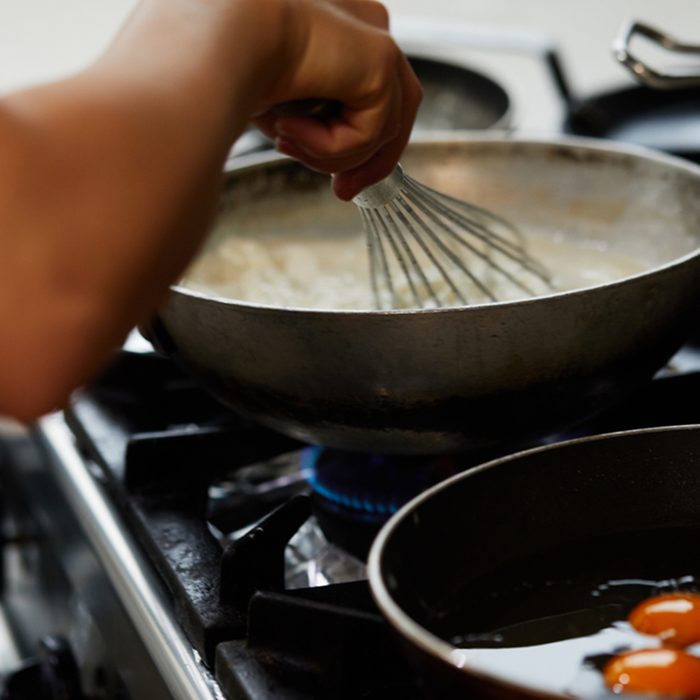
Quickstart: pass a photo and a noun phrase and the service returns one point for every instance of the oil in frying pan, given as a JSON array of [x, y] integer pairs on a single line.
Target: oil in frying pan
[[551, 622]]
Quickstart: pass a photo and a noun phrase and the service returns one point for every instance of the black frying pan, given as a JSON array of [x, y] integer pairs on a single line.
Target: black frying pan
[[663, 112], [514, 508], [456, 97], [666, 120]]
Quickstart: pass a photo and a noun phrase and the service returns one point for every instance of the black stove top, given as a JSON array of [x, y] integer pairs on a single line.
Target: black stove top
[[214, 501], [171, 457]]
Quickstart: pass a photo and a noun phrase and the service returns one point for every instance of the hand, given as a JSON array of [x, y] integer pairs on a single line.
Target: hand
[[342, 51], [128, 155]]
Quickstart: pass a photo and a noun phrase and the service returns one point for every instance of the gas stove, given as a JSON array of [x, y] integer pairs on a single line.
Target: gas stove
[[178, 552], [157, 546]]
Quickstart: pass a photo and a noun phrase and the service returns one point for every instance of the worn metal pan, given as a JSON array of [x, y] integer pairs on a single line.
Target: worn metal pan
[[495, 521], [433, 381]]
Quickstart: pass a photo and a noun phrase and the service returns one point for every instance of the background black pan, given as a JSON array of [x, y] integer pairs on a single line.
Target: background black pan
[[667, 120], [456, 97]]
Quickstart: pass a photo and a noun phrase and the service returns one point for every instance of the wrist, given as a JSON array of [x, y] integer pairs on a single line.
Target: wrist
[[276, 38]]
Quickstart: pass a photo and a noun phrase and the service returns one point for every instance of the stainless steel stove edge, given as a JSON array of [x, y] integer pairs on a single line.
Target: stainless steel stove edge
[[109, 574]]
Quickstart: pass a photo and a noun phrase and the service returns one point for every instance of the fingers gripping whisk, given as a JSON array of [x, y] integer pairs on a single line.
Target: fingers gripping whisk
[[427, 249]]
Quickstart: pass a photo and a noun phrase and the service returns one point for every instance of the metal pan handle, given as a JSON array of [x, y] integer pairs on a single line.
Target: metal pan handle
[[670, 79]]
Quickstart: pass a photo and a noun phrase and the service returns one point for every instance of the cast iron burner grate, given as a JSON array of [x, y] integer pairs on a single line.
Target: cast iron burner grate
[[160, 444], [163, 448]]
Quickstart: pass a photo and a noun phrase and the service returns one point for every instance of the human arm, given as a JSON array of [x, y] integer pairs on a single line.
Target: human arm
[[109, 179]]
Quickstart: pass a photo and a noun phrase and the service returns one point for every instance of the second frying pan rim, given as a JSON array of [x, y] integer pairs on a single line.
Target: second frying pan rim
[[418, 635]]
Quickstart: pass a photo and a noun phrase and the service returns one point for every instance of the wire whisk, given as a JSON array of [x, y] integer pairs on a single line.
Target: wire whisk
[[427, 249]]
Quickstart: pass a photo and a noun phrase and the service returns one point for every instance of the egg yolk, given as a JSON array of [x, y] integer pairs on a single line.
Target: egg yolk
[[665, 671], [673, 617]]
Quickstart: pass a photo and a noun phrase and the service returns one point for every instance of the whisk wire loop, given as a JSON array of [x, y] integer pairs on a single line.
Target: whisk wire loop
[[446, 250], [432, 241], [411, 220], [378, 263], [486, 229], [401, 223], [487, 255], [399, 246]]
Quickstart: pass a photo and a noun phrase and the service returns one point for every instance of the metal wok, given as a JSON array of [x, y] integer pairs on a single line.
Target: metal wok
[[463, 378], [517, 509]]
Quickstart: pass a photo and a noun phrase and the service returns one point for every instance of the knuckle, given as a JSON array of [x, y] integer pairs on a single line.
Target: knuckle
[[417, 90], [416, 97], [412, 86], [387, 57], [381, 14], [371, 11]]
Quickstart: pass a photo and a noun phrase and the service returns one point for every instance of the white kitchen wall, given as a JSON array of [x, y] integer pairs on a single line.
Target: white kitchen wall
[[44, 39], [583, 29]]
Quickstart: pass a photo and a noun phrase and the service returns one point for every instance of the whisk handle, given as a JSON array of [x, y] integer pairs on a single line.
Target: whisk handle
[[382, 192], [374, 196], [323, 110]]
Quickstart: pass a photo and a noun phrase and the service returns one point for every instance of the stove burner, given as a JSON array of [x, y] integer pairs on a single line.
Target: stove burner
[[354, 494], [257, 573], [371, 487]]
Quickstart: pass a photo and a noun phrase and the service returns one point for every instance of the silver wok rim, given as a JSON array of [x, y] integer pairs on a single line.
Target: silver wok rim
[[255, 160], [422, 638]]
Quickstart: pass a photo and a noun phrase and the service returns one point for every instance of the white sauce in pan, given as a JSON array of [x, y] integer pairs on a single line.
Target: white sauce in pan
[[317, 271]]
